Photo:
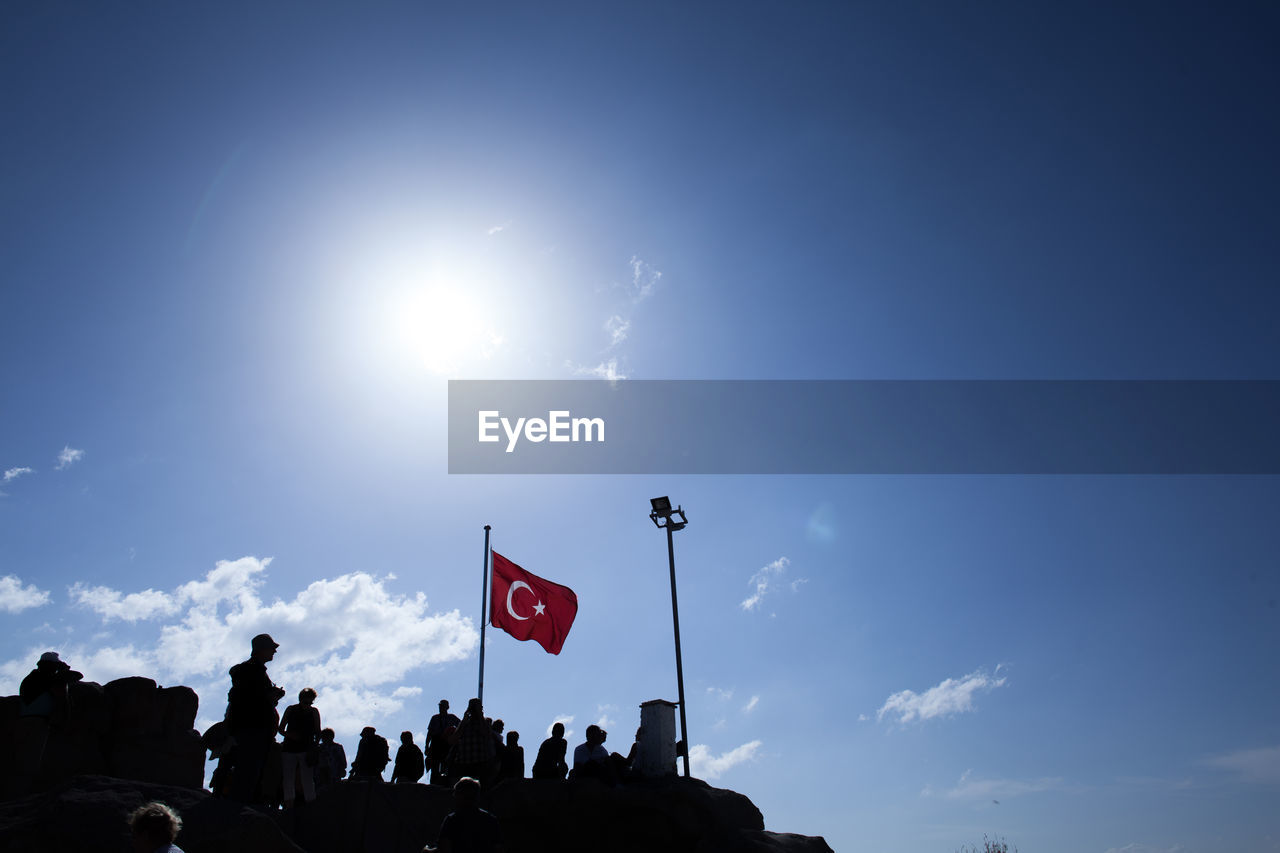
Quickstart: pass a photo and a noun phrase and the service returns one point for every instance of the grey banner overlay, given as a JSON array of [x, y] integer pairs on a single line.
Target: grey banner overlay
[[869, 427]]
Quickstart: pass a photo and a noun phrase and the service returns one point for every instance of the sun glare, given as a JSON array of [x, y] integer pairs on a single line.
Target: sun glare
[[443, 329]]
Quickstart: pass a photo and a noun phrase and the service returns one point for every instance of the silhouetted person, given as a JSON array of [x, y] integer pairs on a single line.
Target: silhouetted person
[[44, 702], [372, 756], [468, 828], [512, 762], [409, 761], [300, 725], [153, 829], [550, 763], [436, 746], [252, 718], [332, 766], [591, 759], [473, 748]]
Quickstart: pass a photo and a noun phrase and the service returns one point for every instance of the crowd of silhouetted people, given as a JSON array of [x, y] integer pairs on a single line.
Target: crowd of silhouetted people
[[253, 767], [473, 746]]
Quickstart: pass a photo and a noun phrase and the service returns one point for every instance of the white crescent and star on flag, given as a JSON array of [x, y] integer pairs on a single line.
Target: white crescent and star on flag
[[511, 591]]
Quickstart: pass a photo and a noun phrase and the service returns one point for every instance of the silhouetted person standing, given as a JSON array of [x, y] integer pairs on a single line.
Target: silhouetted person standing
[[333, 760], [512, 762], [300, 725], [44, 702], [252, 718], [372, 756], [409, 761], [473, 747], [436, 746], [468, 828], [550, 763]]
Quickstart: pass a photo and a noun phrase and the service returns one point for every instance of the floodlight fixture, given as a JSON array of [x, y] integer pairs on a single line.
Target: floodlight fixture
[[664, 517]]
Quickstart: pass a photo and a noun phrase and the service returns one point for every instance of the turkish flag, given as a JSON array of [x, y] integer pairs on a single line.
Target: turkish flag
[[530, 608]]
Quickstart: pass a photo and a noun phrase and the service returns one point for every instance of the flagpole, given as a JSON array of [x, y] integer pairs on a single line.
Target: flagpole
[[484, 609]]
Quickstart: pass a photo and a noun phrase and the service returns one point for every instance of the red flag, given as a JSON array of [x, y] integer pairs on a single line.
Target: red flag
[[530, 608]]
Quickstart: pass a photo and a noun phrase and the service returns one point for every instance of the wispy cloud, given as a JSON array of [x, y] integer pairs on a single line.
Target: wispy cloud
[[497, 229], [763, 581], [68, 457], [349, 637], [15, 473], [1260, 766], [1135, 847], [720, 692], [971, 788], [617, 328], [644, 278], [16, 597], [751, 705], [704, 765], [952, 696], [605, 370]]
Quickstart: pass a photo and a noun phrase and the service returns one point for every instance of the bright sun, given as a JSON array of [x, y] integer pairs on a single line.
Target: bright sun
[[444, 329]]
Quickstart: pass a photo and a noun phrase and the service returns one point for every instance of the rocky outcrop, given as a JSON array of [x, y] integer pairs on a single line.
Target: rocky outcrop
[[672, 815], [130, 728], [89, 812]]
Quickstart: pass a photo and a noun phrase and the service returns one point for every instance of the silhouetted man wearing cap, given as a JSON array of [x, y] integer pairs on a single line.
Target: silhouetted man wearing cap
[[44, 703], [252, 717]]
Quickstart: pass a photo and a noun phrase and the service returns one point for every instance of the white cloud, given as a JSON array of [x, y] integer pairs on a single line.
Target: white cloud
[[762, 581], [751, 705], [499, 228], [349, 637], [1135, 847], [952, 696], [704, 765], [68, 457], [970, 788], [720, 692], [15, 473], [1250, 765], [605, 370], [617, 327], [644, 278], [111, 604], [15, 597]]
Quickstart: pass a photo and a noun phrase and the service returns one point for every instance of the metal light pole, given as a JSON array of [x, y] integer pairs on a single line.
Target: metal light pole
[[664, 517]]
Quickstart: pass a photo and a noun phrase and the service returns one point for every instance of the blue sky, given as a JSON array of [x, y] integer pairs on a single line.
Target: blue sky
[[242, 249]]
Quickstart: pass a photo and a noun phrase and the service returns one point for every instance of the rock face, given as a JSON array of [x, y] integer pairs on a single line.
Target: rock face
[[672, 815], [131, 728], [88, 813]]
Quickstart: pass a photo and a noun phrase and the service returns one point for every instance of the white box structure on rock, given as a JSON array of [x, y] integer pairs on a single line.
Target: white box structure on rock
[[656, 755]]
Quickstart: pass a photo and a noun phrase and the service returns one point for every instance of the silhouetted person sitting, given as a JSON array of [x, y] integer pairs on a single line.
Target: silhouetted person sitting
[[409, 761], [436, 747], [332, 766], [591, 759], [300, 725], [44, 702], [512, 764], [252, 718], [372, 756], [153, 829], [468, 828], [473, 748], [550, 763]]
